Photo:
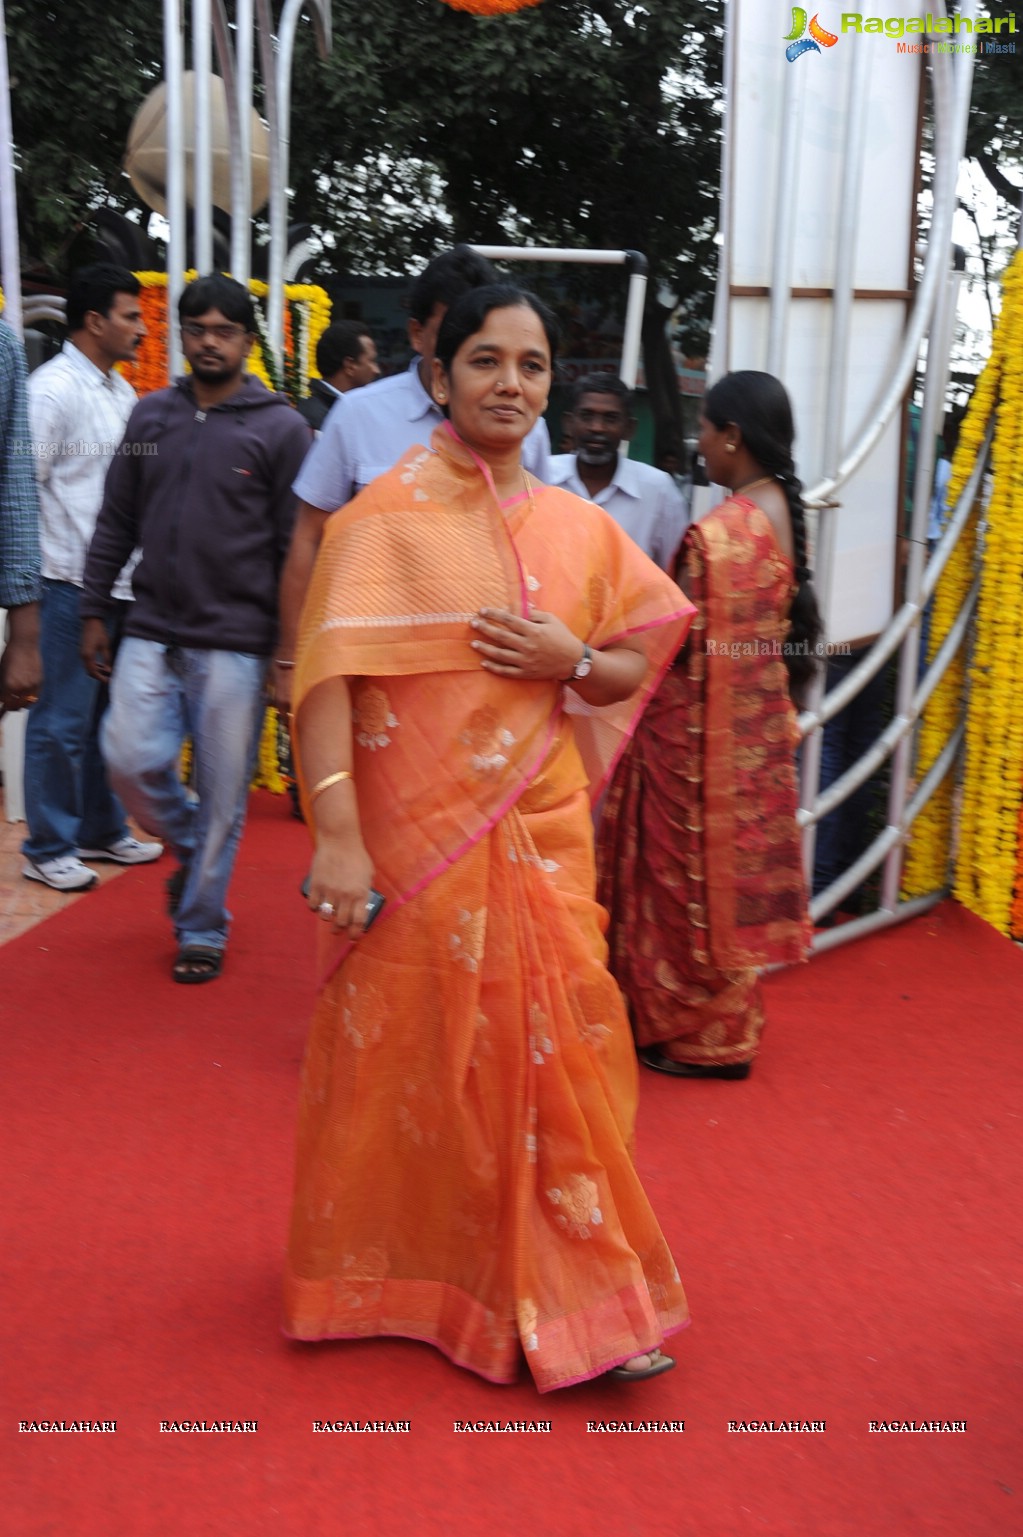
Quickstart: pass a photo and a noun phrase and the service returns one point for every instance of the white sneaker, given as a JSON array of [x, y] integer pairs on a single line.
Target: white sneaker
[[64, 874], [126, 851]]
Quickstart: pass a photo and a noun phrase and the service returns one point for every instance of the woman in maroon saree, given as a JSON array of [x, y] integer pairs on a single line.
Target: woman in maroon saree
[[699, 851]]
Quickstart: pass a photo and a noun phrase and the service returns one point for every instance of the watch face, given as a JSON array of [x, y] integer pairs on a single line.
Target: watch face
[[583, 666]]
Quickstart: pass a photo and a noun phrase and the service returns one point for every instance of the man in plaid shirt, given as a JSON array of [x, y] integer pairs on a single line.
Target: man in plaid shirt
[[21, 668]]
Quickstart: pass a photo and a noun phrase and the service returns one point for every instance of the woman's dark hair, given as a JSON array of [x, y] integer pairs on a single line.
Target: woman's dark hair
[[759, 406], [467, 314], [216, 291]]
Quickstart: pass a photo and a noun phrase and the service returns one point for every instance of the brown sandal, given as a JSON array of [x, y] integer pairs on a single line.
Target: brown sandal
[[197, 963]]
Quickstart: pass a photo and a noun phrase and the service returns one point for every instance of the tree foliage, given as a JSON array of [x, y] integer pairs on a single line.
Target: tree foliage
[[583, 123], [78, 74], [569, 124], [994, 135]]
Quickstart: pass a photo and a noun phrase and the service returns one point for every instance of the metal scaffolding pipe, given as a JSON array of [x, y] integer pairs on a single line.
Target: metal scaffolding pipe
[[889, 641], [933, 274], [950, 135], [241, 176], [859, 928], [785, 199], [900, 725], [10, 257], [177, 251], [202, 136], [834, 417]]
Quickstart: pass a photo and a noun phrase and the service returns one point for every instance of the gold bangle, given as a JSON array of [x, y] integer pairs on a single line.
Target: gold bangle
[[331, 779]]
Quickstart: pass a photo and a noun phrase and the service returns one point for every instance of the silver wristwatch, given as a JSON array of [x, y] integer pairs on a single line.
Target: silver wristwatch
[[584, 664]]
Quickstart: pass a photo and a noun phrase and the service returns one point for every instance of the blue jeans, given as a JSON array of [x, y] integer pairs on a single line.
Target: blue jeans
[[845, 833], [68, 801], [158, 697]]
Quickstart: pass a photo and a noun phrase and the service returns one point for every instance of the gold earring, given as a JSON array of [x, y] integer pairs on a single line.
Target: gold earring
[[729, 448]]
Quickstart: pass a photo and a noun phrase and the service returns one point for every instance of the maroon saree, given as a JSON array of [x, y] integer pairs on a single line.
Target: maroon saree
[[699, 852]]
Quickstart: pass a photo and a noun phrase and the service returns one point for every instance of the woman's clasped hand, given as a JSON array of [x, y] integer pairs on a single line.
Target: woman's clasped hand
[[539, 647]]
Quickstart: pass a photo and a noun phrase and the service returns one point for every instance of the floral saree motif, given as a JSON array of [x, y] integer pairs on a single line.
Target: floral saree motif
[[700, 862], [464, 1173]]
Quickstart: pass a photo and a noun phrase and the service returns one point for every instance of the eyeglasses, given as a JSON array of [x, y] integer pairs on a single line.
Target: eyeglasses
[[196, 332]]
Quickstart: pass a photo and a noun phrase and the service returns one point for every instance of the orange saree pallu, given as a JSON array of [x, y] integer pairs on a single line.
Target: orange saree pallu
[[700, 861], [468, 1094]]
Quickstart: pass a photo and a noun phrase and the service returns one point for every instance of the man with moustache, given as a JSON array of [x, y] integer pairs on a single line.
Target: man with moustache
[[78, 406], [212, 510], [643, 501]]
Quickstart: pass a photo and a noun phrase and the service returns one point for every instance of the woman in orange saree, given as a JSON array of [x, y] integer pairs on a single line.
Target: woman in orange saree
[[699, 857], [464, 1173]]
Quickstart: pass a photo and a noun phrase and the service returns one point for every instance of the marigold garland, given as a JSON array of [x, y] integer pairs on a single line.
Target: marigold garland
[[989, 872], [306, 316], [267, 774], [988, 862], [490, 7]]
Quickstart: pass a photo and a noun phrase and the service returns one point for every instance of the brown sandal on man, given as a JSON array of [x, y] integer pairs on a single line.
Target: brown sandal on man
[[197, 963]]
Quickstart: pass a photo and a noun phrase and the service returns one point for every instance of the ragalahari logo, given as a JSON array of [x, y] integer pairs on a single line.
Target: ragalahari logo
[[798, 44]]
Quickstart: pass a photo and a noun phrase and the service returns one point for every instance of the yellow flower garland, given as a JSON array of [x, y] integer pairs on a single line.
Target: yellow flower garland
[[151, 370], [987, 866]]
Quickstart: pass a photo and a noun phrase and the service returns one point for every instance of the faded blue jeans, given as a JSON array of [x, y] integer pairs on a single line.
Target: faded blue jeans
[[68, 802], [160, 695]]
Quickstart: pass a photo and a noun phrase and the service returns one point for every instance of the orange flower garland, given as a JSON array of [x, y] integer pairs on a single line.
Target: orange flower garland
[[149, 369], [490, 7]]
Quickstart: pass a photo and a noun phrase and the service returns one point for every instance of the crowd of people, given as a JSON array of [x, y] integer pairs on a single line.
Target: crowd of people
[[513, 681]]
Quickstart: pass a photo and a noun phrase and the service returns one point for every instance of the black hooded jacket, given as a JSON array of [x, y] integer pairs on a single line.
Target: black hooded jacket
[[207, 496]]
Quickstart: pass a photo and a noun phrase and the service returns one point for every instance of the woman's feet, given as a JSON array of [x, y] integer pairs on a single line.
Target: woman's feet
[[653, 1363], [650, 1056]]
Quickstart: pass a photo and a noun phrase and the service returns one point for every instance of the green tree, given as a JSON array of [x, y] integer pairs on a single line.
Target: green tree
[[78, 74], [569, 124], [572, 124], [994, 133]]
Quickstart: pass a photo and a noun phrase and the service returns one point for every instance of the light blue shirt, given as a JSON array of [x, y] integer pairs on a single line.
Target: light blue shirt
[[645, 502], [938, 515], [368, 430]]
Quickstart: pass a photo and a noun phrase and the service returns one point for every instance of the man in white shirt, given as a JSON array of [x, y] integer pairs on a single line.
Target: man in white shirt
[[369, 430], [643, 501], [78, 408]]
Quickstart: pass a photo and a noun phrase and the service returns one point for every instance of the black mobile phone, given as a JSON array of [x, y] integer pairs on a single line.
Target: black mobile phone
[[373, 906]]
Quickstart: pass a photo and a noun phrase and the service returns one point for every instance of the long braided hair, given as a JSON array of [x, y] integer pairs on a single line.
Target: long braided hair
[[759, 406]]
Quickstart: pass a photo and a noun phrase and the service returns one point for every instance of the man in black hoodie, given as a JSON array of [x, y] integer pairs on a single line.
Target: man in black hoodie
[[202, 484]]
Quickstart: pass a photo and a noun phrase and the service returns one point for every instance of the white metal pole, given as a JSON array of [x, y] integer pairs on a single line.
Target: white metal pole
[[633, 338], [720, 348], [10, 260], [202, 131], [241, 183], [834, 418], [173, 68], [952, 104], [784, 222]]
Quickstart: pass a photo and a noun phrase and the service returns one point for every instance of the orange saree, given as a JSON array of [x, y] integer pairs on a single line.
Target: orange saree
[[700, 862], [468, 1093]]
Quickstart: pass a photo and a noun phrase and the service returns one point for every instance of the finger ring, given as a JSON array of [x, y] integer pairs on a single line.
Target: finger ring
[[326, 909]]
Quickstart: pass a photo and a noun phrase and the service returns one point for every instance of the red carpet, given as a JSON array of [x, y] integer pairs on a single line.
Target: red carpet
[[846, 1223]]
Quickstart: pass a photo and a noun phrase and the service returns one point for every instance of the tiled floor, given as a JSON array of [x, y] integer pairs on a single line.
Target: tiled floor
[[24, 903]]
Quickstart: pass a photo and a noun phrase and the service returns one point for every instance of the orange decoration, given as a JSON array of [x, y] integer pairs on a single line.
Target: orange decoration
[[490, 7]]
